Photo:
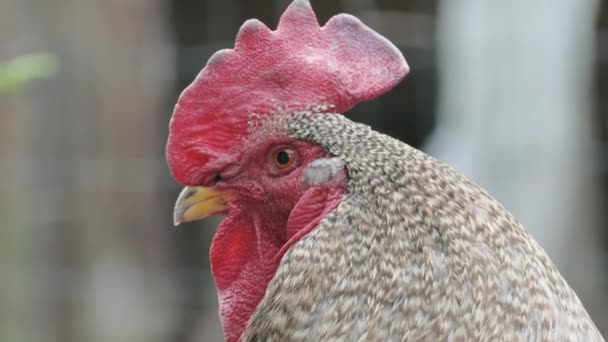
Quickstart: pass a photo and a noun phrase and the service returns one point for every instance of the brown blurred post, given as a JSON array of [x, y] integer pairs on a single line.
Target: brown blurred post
[[88, 159]]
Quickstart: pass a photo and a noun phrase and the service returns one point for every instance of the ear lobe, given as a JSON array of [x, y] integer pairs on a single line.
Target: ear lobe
[[324, 171]]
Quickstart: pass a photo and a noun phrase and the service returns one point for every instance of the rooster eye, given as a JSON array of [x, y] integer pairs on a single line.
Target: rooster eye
[[282, 158], [212, 179]]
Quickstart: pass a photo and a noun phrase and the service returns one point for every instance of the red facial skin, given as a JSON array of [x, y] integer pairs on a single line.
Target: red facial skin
[[270, 212]]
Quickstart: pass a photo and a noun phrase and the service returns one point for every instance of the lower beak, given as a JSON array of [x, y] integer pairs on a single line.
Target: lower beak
[[197, 202]]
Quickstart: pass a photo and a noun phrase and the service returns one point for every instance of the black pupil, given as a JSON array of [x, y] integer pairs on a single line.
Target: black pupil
[[282, 158], [217, 178]]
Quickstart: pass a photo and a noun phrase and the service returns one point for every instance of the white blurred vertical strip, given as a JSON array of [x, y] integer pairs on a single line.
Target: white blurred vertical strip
[[515, 116]]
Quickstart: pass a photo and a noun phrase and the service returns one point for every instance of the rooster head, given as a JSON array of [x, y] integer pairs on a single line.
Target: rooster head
[[228, 147]]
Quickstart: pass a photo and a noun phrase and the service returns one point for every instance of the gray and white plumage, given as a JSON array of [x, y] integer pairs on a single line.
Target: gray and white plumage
[[414, 251]]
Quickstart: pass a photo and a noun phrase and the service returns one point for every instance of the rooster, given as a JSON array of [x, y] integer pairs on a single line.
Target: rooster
[[335, 232]]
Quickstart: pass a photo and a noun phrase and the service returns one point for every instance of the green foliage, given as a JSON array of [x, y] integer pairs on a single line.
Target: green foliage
[[21, 70]]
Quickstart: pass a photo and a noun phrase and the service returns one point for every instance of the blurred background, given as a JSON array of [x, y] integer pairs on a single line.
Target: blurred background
[[512, 93]]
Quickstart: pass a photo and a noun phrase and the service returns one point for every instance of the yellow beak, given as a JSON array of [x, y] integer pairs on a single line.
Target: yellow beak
[[197, 202]]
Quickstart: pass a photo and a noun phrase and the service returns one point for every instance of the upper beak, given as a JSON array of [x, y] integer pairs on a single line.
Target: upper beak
[[197, 202]]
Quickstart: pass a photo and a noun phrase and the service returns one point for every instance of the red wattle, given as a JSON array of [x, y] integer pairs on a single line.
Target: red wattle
[[236, 265], [246, 252]]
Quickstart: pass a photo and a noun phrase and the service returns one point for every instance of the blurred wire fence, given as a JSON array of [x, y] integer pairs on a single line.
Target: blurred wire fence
[[514, 94]]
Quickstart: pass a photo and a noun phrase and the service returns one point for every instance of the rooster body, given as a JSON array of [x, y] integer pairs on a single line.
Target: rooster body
[[334, 232], [415, 251]]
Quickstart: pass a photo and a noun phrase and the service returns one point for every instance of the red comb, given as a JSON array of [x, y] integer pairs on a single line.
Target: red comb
[[298, 66]]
